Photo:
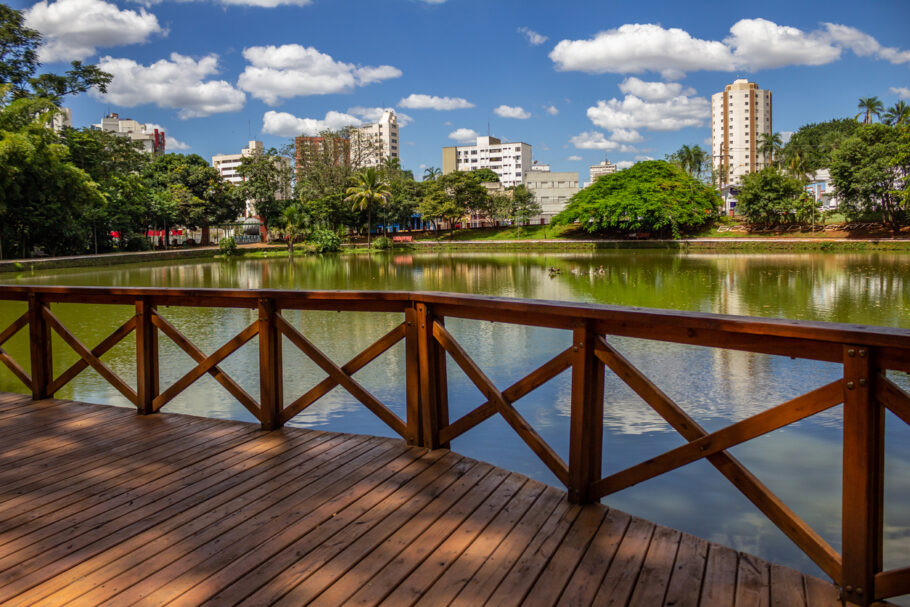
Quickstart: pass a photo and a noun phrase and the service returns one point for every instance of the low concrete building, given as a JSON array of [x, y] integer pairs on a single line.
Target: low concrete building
[[821, 188], [552, 191]]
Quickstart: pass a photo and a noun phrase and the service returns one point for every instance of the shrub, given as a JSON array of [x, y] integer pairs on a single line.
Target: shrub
[[136, 243], [228, 246], [382, 243], [324, 241]]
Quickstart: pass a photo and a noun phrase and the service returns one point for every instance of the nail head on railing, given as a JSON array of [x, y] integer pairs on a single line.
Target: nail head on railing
[[849, 385], [851, 352], [862, 353]]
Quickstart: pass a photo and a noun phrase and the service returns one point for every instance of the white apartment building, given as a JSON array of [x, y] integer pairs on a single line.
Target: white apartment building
[[372, 144], [604, 168], [552, 191], [62, 119], [511, 161], [227, 165], [740, 114], [151, 137]]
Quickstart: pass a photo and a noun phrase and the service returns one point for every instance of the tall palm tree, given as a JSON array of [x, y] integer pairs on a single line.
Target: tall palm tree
[[769, 145], [431, 173], [368, 188], [869, 106], [798, 166], [897, 114]]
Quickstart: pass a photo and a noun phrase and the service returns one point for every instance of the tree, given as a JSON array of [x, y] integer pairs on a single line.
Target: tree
[[484, 175], [653, 196], [693, 160], [769, 196], [869, 107], [815, 143], [769, 146], [294, 221], [368, 189], [431, 174], [798, 166], [466, 192], [19, 64], [438, 205], [870, 173], [267, 183], [524, 207], [897, 115]]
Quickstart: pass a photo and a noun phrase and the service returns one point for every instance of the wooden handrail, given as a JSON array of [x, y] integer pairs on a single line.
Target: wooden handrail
[[865, 353]]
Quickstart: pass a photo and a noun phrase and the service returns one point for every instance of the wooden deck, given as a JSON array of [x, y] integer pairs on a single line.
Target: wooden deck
[[101, 506]]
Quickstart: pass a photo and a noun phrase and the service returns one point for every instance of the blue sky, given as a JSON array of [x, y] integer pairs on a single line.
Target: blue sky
[[578, 80]]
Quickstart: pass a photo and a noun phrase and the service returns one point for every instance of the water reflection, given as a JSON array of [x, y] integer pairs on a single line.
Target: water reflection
[[801, 462]]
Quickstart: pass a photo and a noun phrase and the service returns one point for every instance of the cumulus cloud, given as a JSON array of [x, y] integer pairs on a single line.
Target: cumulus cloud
[[288, 125], [653, 91], [506, 111], [172, 142], [785, 136], [902, 92], [464, 135], [594, 140], [863, 44], [432, 102], [753, 44], [634, 113], [373, 114], [626, 136], [624, 164], [179, 82], [254, 3], [292, 70], [575, 158], [552, 110], [74, 29], [533, 37]]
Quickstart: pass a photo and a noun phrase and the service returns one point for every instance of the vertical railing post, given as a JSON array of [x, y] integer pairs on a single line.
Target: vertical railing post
[[146, 357], [271, 382], [587, 408], [412, 372], [40, 347], [863, 487], [434, 397]]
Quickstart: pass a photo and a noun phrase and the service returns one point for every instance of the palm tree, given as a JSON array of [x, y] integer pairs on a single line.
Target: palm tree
[[368, 188], [898, 114], [295, 219], [798, 166], [391, 167], [769, 145], [431, 173], [870, 106]]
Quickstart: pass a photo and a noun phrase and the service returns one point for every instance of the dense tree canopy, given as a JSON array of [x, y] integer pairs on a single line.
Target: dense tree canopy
[[815, 144], [654, 196], [769, 196]]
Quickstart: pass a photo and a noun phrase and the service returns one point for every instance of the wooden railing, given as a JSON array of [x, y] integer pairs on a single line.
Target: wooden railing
[[865, 353]]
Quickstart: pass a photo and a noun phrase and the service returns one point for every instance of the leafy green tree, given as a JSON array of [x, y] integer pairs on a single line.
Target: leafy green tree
[[431, 174], [368, 189], [692, 159], [19, 63], [524, 207], [897, 115], [267, 183], [438, 205], [485, 176], [870, 173], [869, 107], [654, 196], [815, 143], [466, 192], [294, 221], [769, 196]]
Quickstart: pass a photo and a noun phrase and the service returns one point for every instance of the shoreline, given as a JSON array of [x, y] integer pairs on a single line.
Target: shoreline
[[754, 244]]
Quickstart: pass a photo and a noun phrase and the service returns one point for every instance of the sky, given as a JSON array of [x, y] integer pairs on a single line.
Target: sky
[[579, 80]]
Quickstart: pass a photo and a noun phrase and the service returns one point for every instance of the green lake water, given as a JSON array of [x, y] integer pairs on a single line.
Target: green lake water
[[801, 463]]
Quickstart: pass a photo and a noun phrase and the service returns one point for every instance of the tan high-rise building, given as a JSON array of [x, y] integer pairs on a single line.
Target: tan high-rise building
[[739, 116], [372, 144]]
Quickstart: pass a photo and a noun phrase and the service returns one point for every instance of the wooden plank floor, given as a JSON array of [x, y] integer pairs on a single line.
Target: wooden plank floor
[[99, 506]]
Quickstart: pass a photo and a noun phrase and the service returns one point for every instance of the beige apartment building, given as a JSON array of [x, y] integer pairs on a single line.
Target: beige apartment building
[[740, 114], [372, 144], [552, 190], [151, 137], [511, 161]]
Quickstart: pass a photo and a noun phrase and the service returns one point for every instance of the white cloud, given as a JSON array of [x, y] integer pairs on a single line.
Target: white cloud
[[533, 37], [292, 70], [373, 114], [642, 157], [267, 3], [172, 143], [288, 125], [785, 136], [626, 136], [432, 102], [863, 44], [633, 113], [464, 135], [592, 140], [624, 164], [902, 92], [179, 83], [753, 44], [506, 111], [74, 29], [653, 91], [552, 110], [575, 158]]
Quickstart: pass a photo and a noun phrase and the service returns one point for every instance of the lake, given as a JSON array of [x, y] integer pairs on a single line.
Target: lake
[[801, 463]]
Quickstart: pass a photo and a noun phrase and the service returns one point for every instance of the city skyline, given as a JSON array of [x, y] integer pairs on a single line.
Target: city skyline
[[631, 84]]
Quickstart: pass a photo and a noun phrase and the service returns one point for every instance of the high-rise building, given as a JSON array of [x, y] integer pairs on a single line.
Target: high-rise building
[[372, 144], [511, 161], [739, 116], [62, 119], [323, 151], [227, 165], [151, 137]]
